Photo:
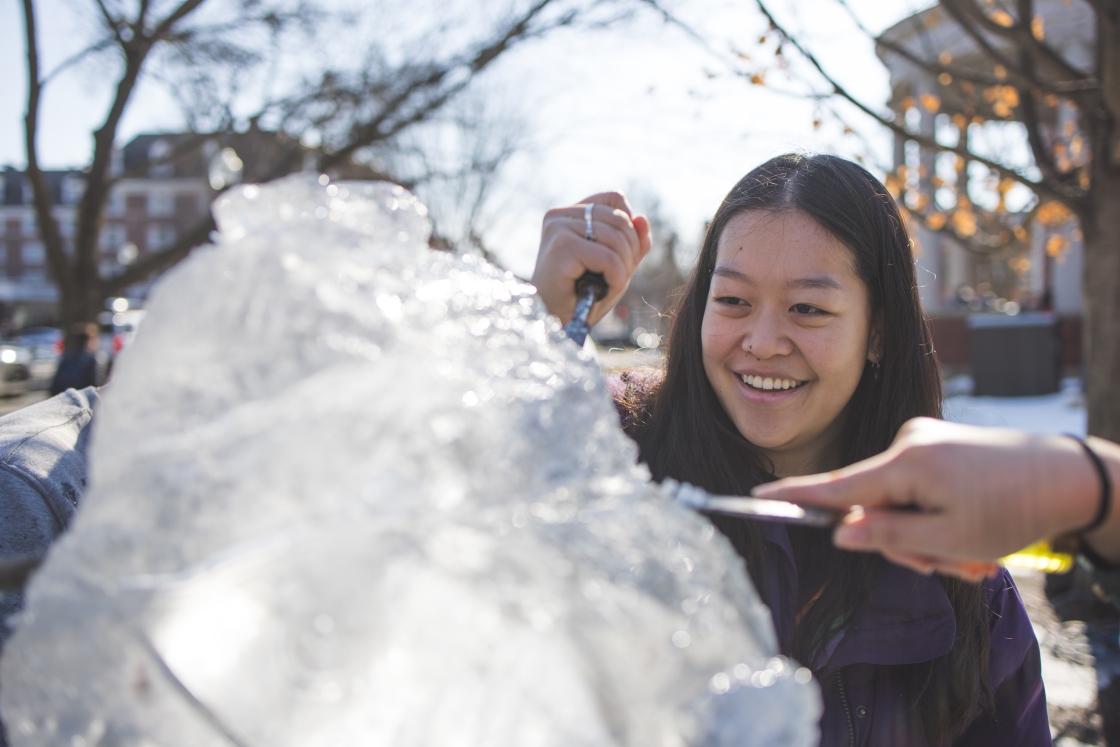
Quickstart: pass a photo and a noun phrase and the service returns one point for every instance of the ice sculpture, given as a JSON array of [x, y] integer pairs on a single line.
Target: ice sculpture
[[347, 490]]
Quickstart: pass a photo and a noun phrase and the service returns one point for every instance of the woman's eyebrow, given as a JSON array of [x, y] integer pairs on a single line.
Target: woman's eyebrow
[[816, 281], [727, 272], [809, 283]]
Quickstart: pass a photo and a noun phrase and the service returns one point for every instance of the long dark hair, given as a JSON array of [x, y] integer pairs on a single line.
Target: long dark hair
[[684, 432]]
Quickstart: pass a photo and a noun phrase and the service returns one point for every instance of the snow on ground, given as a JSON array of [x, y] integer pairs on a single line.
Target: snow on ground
[[1063, 412]]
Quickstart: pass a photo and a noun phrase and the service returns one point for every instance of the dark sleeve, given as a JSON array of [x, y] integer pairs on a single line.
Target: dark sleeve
[[56, 380], [1018, 715], [1106, 583], [89, 372], [1105, 575]]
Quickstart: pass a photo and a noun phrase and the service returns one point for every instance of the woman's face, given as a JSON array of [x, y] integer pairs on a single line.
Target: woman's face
[[786, 333]]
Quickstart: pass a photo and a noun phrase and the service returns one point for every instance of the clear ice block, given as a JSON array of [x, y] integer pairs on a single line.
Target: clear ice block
[[347, 490]]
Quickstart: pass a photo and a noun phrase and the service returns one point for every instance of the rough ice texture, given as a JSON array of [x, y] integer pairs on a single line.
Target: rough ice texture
[[350, 491]]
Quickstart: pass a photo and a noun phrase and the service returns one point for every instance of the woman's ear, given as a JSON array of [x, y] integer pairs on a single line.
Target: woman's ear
[[875, 340]]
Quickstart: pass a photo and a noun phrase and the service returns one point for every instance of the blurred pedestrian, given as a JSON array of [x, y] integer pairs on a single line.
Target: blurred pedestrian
[[83, 362]]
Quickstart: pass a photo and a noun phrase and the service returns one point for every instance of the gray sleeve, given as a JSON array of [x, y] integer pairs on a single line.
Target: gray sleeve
[[27, 523], [27, 527], [42, 476]]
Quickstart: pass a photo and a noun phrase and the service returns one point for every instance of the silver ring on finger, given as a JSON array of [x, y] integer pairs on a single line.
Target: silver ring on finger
[[589, 230]]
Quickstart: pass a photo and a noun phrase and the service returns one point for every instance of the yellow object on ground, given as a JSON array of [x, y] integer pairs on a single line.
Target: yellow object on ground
[[1040, 557]]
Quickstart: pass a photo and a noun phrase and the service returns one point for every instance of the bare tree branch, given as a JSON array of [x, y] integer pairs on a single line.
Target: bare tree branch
[[74, 59], [375, 130], [1032, 122], [974, 76], [98, 181], [1072, 196], [157, 262], [958, 72], [141, 18], [672, 18], [1020, 34], [111, 22], [48, 227], [1033, 125], [994, 54], [174, 17], [373, 106], [970, 243]]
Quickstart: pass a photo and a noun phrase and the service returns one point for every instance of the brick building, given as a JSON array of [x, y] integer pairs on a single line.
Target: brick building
[[164, 185]]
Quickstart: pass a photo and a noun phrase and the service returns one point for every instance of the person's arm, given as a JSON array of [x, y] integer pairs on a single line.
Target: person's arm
[[621, 241], [980, 494]]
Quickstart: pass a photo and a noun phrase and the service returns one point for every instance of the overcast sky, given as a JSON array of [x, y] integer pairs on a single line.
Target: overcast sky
[[641, 106]]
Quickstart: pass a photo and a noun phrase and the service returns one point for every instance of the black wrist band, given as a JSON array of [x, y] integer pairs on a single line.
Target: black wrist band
[[1105, 505]]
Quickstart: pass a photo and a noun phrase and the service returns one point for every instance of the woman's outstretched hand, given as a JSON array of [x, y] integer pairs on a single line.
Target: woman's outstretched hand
[[975, 494], [621, 241]]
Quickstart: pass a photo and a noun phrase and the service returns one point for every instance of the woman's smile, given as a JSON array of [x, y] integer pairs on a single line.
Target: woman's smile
[[767, 383], [771, 390]]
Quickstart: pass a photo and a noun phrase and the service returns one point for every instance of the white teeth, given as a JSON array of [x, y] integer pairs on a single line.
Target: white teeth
[[769, 383]]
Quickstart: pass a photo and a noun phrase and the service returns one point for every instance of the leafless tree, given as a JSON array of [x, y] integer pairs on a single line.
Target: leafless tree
[[995, 72], [454, 163], [339, 114]]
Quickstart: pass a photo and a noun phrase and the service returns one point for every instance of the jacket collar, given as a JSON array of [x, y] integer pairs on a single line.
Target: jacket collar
[[906, 618]]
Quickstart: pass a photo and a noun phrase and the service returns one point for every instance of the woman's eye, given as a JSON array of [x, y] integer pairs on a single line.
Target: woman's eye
[[805, 309], [730, 301]]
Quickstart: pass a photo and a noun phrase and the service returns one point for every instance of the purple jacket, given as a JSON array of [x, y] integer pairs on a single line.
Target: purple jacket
[[906, 620]]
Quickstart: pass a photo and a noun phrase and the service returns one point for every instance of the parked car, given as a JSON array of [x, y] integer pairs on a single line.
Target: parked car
[[15, 376], [44, 346], [37, 336]]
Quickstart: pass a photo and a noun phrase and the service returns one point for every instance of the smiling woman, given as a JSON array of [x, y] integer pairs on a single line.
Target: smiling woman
[[799, 345], [786, 330]]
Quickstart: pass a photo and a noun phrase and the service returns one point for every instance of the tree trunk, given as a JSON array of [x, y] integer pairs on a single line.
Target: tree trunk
[[83, 305], [1101, 285]]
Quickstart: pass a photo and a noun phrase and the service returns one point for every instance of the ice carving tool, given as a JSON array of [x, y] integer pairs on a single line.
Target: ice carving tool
[[590, 287], [1041, 556], [754, 508]]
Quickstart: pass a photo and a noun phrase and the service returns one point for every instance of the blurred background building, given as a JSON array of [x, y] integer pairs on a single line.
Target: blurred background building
[[965, 265], [642, 318], [164, 185]]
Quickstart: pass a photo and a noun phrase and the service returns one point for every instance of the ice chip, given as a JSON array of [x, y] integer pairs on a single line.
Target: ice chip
[[347, 490]]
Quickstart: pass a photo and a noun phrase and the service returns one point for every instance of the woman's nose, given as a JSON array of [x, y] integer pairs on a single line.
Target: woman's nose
[[765, 337]]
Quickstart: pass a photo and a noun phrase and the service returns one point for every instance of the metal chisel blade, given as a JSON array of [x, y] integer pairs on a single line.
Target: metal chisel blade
[[755, 508], [764, 508]]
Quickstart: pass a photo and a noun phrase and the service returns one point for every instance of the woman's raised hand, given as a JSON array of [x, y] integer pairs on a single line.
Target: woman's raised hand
[[621, 240]]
